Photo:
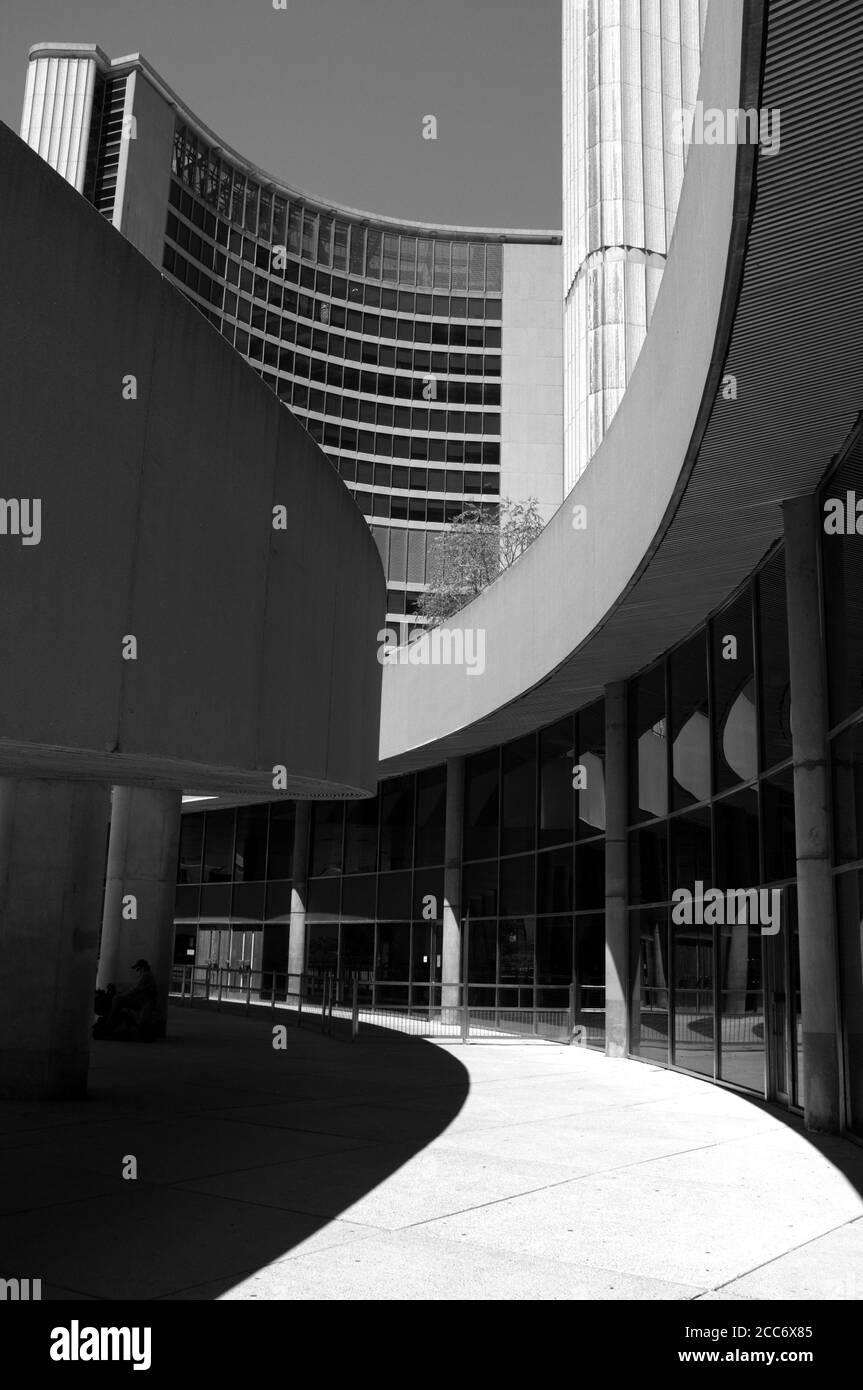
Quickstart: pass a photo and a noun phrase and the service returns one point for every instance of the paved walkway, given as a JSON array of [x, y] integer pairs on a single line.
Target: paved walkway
[[396, 1168]]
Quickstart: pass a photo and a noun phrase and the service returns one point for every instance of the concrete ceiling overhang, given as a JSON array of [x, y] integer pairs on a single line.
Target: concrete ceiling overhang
[[764, 281]]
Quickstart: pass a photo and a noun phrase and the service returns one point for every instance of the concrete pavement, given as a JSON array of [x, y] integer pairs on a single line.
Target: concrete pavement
[[394, 1168]]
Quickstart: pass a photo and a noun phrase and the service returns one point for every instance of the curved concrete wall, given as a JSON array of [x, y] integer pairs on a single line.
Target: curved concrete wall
[[256, 646], [547, 606]]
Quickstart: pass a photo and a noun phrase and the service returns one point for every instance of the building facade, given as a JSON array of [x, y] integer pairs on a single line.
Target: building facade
[[630, 71], [425, 360]]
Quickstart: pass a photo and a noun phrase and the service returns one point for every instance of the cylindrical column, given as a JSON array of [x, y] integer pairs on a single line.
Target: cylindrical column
[[815, 902], [52, 862], [451, 950], [616, 926], [138, 917], [297, 938]]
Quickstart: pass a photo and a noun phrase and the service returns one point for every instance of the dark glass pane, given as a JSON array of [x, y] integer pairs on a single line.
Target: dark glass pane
[[361, 836], [648, 941], [280, 859], [515, 959], [773, 662], [690, 723], [481, 806], [218, 846], [191, 848], [215, 902], [394, 896], [777, 810], [692, 949], [735, 747], [431, 816], [186, 902], [737, 840], [518, 796], [849, 907], [556, 759], [428, 883], [554, 880], [648, 868], [590, 744], [278, 905], [323, 898], [397, 823], [358, 897], [394, 951], [648, 757], [590, 875], [516, 885], [357, 948], [690, 848], [326, 837], [554, 961], [590, 977], [741, 1003], [847, 766], [250, 849], [248, 902], [479, 888], [842, 560], [482, 955]]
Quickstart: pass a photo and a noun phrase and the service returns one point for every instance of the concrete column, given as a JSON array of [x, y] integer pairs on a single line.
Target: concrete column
[[452, 914], [52, 861], [299, 890], [616, 925], [138, 917], [816, 908]]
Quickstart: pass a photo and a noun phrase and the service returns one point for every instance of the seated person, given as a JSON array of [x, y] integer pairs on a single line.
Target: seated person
[[134, 1008]]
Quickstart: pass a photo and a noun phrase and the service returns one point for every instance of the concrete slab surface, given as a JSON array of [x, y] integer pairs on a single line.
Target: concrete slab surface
[[396, 1168]]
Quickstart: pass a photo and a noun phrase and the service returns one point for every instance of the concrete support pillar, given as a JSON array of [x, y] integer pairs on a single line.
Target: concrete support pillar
[[815, 901], [451, 963], [616, 924], [52, 862], [138, 917], [299, 892]]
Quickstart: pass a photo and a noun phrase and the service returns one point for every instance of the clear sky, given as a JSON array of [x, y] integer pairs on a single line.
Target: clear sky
[[330, 94]]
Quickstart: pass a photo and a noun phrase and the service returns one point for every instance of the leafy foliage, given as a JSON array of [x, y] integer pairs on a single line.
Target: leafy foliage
[[481, 543]]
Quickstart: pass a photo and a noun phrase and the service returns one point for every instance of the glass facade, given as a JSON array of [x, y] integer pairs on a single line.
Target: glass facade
[[386, 344], [842, 575], [712, 807]]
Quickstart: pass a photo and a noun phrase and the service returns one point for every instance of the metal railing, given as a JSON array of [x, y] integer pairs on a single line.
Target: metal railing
[[429, 1010]]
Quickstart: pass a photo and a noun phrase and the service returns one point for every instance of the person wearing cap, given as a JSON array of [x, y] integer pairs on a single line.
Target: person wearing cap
[[139, 1001]]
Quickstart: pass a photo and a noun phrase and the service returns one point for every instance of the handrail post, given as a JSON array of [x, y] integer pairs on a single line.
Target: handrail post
[[571, 1010], [300, 1002], [465, 1016], [248, 992], [355, 1007], [273, 994], [221, 977]]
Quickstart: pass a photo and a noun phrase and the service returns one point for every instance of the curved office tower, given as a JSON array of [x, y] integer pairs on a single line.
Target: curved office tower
[[630, 67], [424, 359]]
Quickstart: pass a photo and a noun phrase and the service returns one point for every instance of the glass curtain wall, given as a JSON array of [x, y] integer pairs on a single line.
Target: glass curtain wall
[[711, 818]]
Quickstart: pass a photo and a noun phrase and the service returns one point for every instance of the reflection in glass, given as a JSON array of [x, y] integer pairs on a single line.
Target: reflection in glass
[[741, 1001], [648, 941], [690, 724], [554, 880], [648, 864], [777, 810], [590, 976], [556, 758], [693, 998], [648, 746], [735, 740], [218, 847], [481, 787], [518, 796], [773, 661], [737, 840], [691, 850], [361, 836], [847, 768], [516, 936], [327, 818], [591, 756]]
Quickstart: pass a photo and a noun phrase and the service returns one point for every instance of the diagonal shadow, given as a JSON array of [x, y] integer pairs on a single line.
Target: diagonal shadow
[[245, 1155]]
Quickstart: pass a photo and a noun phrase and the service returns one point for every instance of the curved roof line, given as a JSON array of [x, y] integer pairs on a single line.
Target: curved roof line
[[435, 229]]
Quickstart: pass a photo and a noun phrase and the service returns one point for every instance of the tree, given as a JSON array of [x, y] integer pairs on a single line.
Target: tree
[[479, 545]]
